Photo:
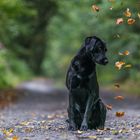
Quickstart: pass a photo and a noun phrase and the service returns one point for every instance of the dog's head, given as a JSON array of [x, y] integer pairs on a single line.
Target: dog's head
[[96, 49]]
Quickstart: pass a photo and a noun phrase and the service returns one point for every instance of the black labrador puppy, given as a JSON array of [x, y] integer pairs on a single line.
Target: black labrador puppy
[[86, 110]]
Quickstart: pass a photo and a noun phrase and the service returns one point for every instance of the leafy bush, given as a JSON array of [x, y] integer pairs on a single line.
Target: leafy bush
[[12, 70]]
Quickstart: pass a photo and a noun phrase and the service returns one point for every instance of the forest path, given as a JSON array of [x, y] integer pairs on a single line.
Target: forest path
[[40, 114]]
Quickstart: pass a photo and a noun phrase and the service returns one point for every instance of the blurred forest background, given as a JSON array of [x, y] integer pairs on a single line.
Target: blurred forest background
[[40, 37]]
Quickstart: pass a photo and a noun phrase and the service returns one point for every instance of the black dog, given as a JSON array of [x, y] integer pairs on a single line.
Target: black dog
[[86, 110]]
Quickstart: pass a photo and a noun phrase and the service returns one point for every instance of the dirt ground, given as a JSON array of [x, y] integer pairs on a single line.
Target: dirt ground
[[40, 114]]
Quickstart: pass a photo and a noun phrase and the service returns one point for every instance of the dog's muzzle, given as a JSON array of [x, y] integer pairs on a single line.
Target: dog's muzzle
[[104, 61]]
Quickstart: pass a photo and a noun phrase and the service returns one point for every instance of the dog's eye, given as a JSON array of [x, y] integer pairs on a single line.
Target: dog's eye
[[97, 50], [105, 50]]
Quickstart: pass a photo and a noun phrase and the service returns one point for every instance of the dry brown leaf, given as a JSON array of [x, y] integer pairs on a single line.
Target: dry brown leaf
[[95, 8], [119, 21], [119, 114], [127, 13], [124, 53], [119, 64], [109, 106], [117, 85], [119, 98], [130, 21]]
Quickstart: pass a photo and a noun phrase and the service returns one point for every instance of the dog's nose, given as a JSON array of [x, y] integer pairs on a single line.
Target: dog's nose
[[105, 61]]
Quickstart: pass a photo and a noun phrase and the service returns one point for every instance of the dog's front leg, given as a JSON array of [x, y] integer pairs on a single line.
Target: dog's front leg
[[72, 125], [84, 125]]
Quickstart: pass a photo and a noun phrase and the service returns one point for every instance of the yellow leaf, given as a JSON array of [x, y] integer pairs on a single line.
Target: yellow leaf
[[139, 15], [79, 132], [131, 21], [127, 13], [128, 66], [95, 8], [15, 138], [119, 64], [119, 21], [92, 137]]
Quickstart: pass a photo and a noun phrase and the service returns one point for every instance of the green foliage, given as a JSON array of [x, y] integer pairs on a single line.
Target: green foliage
[[12, 71], [32, 35], [76, 20]]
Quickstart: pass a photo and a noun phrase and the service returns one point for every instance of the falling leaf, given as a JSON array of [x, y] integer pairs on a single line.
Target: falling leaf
[[119, 21], [131, 21], [118, 36], [117, 85], [139, 15], [95, 8], [109, 107], [119, 64], [111, 0], [124, 53], [119, 114], [119, 97], [128, 66], [127, 13], [111, 8]]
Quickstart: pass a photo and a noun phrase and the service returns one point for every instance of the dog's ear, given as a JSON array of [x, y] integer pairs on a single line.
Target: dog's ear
[[89, 43], [87, 40]]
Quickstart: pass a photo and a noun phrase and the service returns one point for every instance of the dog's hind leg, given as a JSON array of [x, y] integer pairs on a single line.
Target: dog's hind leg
[[98, 117]]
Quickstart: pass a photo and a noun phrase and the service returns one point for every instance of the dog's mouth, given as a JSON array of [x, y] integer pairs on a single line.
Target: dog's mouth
[[103, 61]]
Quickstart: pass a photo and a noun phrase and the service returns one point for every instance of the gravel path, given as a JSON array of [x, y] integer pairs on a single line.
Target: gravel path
[[40, 115]]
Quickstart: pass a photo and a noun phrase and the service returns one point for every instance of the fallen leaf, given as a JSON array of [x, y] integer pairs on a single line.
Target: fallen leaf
[[95, 8], [109, 106], [92, 137], [28, 130], [25, 123], [119, 64], [119, 114], [138, 126], [130, 21], [15, 138], [79, 132], [128, 66], [117, 85], [119, 21], [124, 53], [119, 97], [127, 13]]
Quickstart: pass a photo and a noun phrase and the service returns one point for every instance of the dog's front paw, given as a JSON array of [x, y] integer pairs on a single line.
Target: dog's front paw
[[72, 128], [101, 127], [84, 128]]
